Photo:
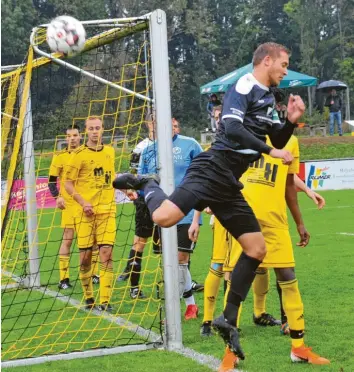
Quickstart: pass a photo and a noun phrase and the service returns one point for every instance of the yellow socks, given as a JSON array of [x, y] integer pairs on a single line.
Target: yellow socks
[[94, 260], [260, 290], [86, 282], [294, 310], [106, 283], [211, 289], [64, 267]]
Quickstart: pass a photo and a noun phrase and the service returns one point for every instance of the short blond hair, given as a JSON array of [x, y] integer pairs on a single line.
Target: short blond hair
[[268, 49], [94, 117]]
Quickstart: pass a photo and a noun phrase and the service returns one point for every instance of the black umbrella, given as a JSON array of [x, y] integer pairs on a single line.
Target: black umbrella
[[332, 84]]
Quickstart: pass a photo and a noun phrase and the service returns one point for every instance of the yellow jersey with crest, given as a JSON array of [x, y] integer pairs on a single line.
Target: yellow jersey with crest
[[58, 169], [93, 172], [265, 182]]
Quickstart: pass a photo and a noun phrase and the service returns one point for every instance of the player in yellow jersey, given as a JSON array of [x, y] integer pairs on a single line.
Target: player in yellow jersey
[[64, 202], [266, 183], [88, 180]]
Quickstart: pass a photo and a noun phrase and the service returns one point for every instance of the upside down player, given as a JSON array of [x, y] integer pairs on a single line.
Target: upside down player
[[141, 233], [88, 180], [268, 176], [185, 149], [212, 179], [64, 202]]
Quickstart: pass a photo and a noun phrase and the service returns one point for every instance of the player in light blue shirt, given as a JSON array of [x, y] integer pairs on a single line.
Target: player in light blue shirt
[[185, 149]]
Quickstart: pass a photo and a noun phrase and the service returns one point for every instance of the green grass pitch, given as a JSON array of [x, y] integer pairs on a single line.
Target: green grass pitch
[[325, 273]]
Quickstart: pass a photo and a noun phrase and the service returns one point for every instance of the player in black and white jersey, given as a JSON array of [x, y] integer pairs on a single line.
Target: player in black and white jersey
[[212, 179]]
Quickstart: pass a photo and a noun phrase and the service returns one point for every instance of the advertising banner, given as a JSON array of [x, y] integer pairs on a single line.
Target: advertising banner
[[18, 194], [330, 174], [43, 197]]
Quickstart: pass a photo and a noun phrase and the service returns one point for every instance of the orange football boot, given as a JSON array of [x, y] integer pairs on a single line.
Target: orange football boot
[[306, 355], [229, 361]]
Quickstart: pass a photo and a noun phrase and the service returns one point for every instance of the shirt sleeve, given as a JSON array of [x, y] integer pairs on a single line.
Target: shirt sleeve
[[55, 167], [236, 103], [196, 150], [142, 167], [72, 170], [294, 167]]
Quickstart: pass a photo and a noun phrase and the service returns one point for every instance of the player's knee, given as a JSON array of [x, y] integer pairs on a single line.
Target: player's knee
[[259, 251], [162, 219], [285, 274], [85, 265], [66, 245], [183, 257], [253, 245]]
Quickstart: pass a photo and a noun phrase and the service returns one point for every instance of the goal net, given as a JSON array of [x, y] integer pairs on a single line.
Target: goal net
[[112, 80]]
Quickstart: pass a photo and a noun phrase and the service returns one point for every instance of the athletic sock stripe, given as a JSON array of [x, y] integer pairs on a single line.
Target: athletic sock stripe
[[219, 274], [284, 284], [83, 272]]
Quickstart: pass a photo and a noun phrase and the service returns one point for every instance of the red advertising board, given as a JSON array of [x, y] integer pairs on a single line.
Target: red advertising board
[[44, 198]]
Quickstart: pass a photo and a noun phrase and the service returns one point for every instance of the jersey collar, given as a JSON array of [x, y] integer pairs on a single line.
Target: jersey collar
[[258, 83], [97, 150]]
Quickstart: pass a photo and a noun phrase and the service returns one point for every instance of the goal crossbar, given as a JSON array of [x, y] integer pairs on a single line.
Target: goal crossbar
[[96, 41]]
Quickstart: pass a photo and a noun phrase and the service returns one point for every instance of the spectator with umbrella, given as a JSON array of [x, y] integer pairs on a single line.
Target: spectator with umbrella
[[334, 103]]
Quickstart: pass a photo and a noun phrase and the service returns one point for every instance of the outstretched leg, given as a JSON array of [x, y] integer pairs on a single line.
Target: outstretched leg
[[163, 210]]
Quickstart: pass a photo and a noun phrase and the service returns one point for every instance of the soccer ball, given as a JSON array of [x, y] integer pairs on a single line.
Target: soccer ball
[[66, 35]]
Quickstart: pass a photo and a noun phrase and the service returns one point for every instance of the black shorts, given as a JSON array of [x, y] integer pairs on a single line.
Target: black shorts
[[212, 180], [144, 228], [143, 223], [183, 241]]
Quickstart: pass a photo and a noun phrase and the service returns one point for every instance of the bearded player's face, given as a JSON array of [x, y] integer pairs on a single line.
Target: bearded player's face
[[278, 68]]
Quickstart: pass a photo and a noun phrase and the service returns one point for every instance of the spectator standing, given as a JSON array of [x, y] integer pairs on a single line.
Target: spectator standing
[[213, 101], [334, 103]]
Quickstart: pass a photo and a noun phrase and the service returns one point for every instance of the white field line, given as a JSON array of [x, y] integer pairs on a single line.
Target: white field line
[[327, 234], [333, 207], [206, 360], [76, 355], [9, 286]]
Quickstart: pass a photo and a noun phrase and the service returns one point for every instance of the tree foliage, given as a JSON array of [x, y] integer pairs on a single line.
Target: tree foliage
[[208, 38]]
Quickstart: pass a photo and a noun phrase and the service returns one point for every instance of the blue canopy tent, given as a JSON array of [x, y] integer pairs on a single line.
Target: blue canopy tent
[[292, 80]]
